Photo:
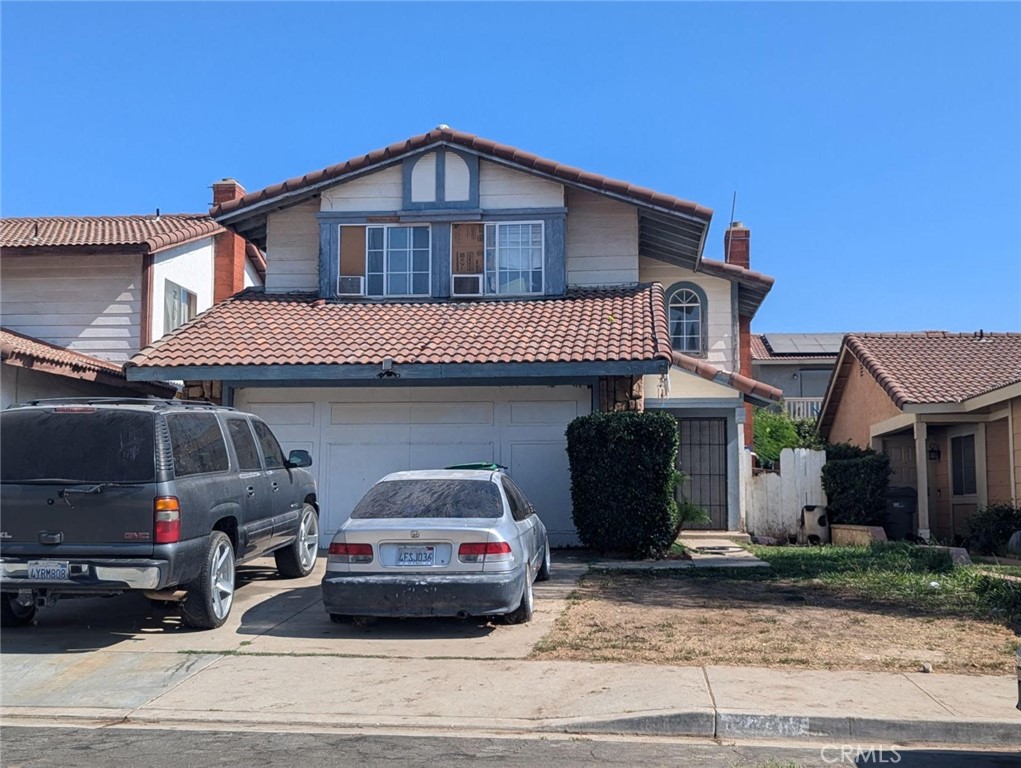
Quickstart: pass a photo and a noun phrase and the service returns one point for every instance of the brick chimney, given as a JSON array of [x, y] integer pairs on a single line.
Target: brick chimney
[[229, 248], [737, 251], [737, 245]]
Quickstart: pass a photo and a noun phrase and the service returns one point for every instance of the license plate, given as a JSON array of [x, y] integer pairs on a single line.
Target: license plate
[[415, 555], [48, 570]]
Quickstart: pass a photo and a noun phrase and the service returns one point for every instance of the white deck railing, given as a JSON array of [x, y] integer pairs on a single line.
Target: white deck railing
[[802, 407]]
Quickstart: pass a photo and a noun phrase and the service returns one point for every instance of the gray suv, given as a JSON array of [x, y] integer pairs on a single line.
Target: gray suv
[[101, 496]]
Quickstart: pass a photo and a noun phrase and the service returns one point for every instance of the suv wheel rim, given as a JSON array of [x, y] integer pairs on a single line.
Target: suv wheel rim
[[222, 579], [309, 540]]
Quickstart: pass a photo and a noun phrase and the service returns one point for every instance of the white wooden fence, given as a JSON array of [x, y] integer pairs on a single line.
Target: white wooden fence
[[773, 501]]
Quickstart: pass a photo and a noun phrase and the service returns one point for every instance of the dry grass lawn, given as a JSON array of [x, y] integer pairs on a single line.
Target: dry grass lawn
[[657, 619]]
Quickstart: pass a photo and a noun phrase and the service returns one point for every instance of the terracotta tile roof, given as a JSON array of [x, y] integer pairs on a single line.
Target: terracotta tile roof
[[743, 384], [759, 351], [152, 233], [936, 366], [29, 352], [483, 146], [254, 328]]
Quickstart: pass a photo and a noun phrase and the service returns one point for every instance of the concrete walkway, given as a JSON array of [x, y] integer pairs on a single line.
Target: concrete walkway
[[280, 663]]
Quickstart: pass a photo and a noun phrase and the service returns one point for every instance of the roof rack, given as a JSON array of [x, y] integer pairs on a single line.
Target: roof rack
[[157, 402]]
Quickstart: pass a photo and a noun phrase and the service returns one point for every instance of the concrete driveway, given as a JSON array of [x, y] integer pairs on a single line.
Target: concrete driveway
[[282, 616]]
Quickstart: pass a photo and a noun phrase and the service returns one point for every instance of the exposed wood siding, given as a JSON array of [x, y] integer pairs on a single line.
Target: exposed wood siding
[[602, 240], [998, 461], [862, 404], [292, 249], [380, 191], [720, 336], [91, 304], [501, 187]]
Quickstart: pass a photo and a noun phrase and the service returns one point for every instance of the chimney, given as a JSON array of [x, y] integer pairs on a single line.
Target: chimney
[[737, 251], [229, 248], [737, 245]]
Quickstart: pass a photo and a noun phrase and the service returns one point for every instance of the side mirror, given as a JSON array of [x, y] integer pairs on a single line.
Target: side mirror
[[299, 458]]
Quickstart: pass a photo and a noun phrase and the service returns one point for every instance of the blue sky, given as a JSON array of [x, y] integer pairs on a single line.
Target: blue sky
[[875, 148]]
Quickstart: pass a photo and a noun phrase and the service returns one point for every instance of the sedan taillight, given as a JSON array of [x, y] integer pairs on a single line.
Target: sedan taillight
[[350, 553], [484, 552], [166, 512]]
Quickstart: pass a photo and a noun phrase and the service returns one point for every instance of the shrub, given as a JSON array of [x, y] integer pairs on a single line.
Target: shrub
[[991, 527], [857, 488], [844, 451], [773, 431], [623, 478]]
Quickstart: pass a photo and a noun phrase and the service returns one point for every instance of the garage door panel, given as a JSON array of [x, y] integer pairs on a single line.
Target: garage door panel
[[553, 413], [284, 414], [442, 454], [543, 472], [351, 470], [479, 414], [370, 413]]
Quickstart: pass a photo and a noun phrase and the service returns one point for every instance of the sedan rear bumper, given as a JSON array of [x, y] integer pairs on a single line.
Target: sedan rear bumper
[[483, 594]]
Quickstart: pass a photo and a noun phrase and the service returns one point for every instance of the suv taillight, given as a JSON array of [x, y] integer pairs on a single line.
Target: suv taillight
[[166, 512], [350, 553], [488, 552]]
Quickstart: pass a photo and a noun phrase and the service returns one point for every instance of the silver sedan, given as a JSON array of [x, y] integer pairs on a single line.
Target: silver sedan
[[450, 542]]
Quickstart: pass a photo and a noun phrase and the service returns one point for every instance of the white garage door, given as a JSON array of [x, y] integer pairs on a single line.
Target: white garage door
[[358, 435]]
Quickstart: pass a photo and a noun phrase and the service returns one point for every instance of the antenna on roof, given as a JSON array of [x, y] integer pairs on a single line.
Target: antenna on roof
[[733, 208]]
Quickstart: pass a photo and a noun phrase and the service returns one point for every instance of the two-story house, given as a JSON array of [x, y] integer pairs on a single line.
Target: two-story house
[[450, 299], [80, 295], [799, 364]]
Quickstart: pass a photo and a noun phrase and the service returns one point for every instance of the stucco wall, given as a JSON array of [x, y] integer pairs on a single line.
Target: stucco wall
[[862, 404], [1015, 406], [191, 267], [998, 461]]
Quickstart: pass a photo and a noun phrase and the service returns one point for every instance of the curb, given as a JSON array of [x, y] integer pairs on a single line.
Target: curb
[[698, 723]]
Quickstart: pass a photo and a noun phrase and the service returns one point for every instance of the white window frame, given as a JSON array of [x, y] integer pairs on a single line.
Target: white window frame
[[980, 497], [386, 261], [496, 269], [182, 304], [701, 337]]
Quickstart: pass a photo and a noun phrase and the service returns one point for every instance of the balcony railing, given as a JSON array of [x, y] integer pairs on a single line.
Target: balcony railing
[[802, 407]]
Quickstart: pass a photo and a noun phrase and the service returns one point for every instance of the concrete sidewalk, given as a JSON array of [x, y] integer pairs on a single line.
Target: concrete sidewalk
[[215, 690], [280, 663]]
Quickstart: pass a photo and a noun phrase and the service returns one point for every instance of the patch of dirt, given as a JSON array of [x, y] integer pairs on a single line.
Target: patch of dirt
[[704, 621]]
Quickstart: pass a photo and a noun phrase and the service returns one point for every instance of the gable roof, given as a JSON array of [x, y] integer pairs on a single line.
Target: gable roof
[[671, 228], [149, 233], [927, 368], [256, 330], [30, 352], [794, 347]]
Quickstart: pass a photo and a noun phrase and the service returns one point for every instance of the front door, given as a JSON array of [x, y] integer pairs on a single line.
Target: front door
[[702, 457]]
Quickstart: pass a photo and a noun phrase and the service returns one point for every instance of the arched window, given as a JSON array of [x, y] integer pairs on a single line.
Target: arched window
[[686, 312]]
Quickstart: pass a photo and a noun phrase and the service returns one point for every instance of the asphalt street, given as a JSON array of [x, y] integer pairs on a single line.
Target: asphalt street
[[121, 747]]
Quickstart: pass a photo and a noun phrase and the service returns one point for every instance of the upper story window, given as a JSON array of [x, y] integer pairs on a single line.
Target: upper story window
[[179, 306], [384, 260], [504, 259], [686, 313]]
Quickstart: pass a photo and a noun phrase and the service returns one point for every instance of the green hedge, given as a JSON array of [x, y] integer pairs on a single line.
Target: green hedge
[[856, 489], [623, 478]]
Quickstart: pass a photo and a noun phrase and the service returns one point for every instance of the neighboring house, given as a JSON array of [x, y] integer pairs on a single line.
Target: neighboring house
[[946, 409], [800, 364], [80, 295], [450, 299]]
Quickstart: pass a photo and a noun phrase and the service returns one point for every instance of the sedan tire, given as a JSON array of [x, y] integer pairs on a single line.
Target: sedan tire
[[523, 613], [544, 569]]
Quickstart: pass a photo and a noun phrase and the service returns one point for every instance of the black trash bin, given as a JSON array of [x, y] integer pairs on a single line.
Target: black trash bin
[[901, 509]]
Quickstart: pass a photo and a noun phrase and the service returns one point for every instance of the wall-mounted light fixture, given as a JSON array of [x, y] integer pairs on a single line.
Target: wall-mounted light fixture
[[933, 453]]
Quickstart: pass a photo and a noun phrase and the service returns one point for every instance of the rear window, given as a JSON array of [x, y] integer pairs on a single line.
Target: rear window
[[430, 498], [92, 445]]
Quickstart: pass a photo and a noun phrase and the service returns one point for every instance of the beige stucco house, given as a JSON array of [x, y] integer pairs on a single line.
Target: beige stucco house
[[946, 409]]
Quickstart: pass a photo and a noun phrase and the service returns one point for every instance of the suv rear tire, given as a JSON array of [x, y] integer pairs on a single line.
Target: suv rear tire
[[298, 558], [211, 595], [13, 613]]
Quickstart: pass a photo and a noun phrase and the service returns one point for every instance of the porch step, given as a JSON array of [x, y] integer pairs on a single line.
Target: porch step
[[694, 536]]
